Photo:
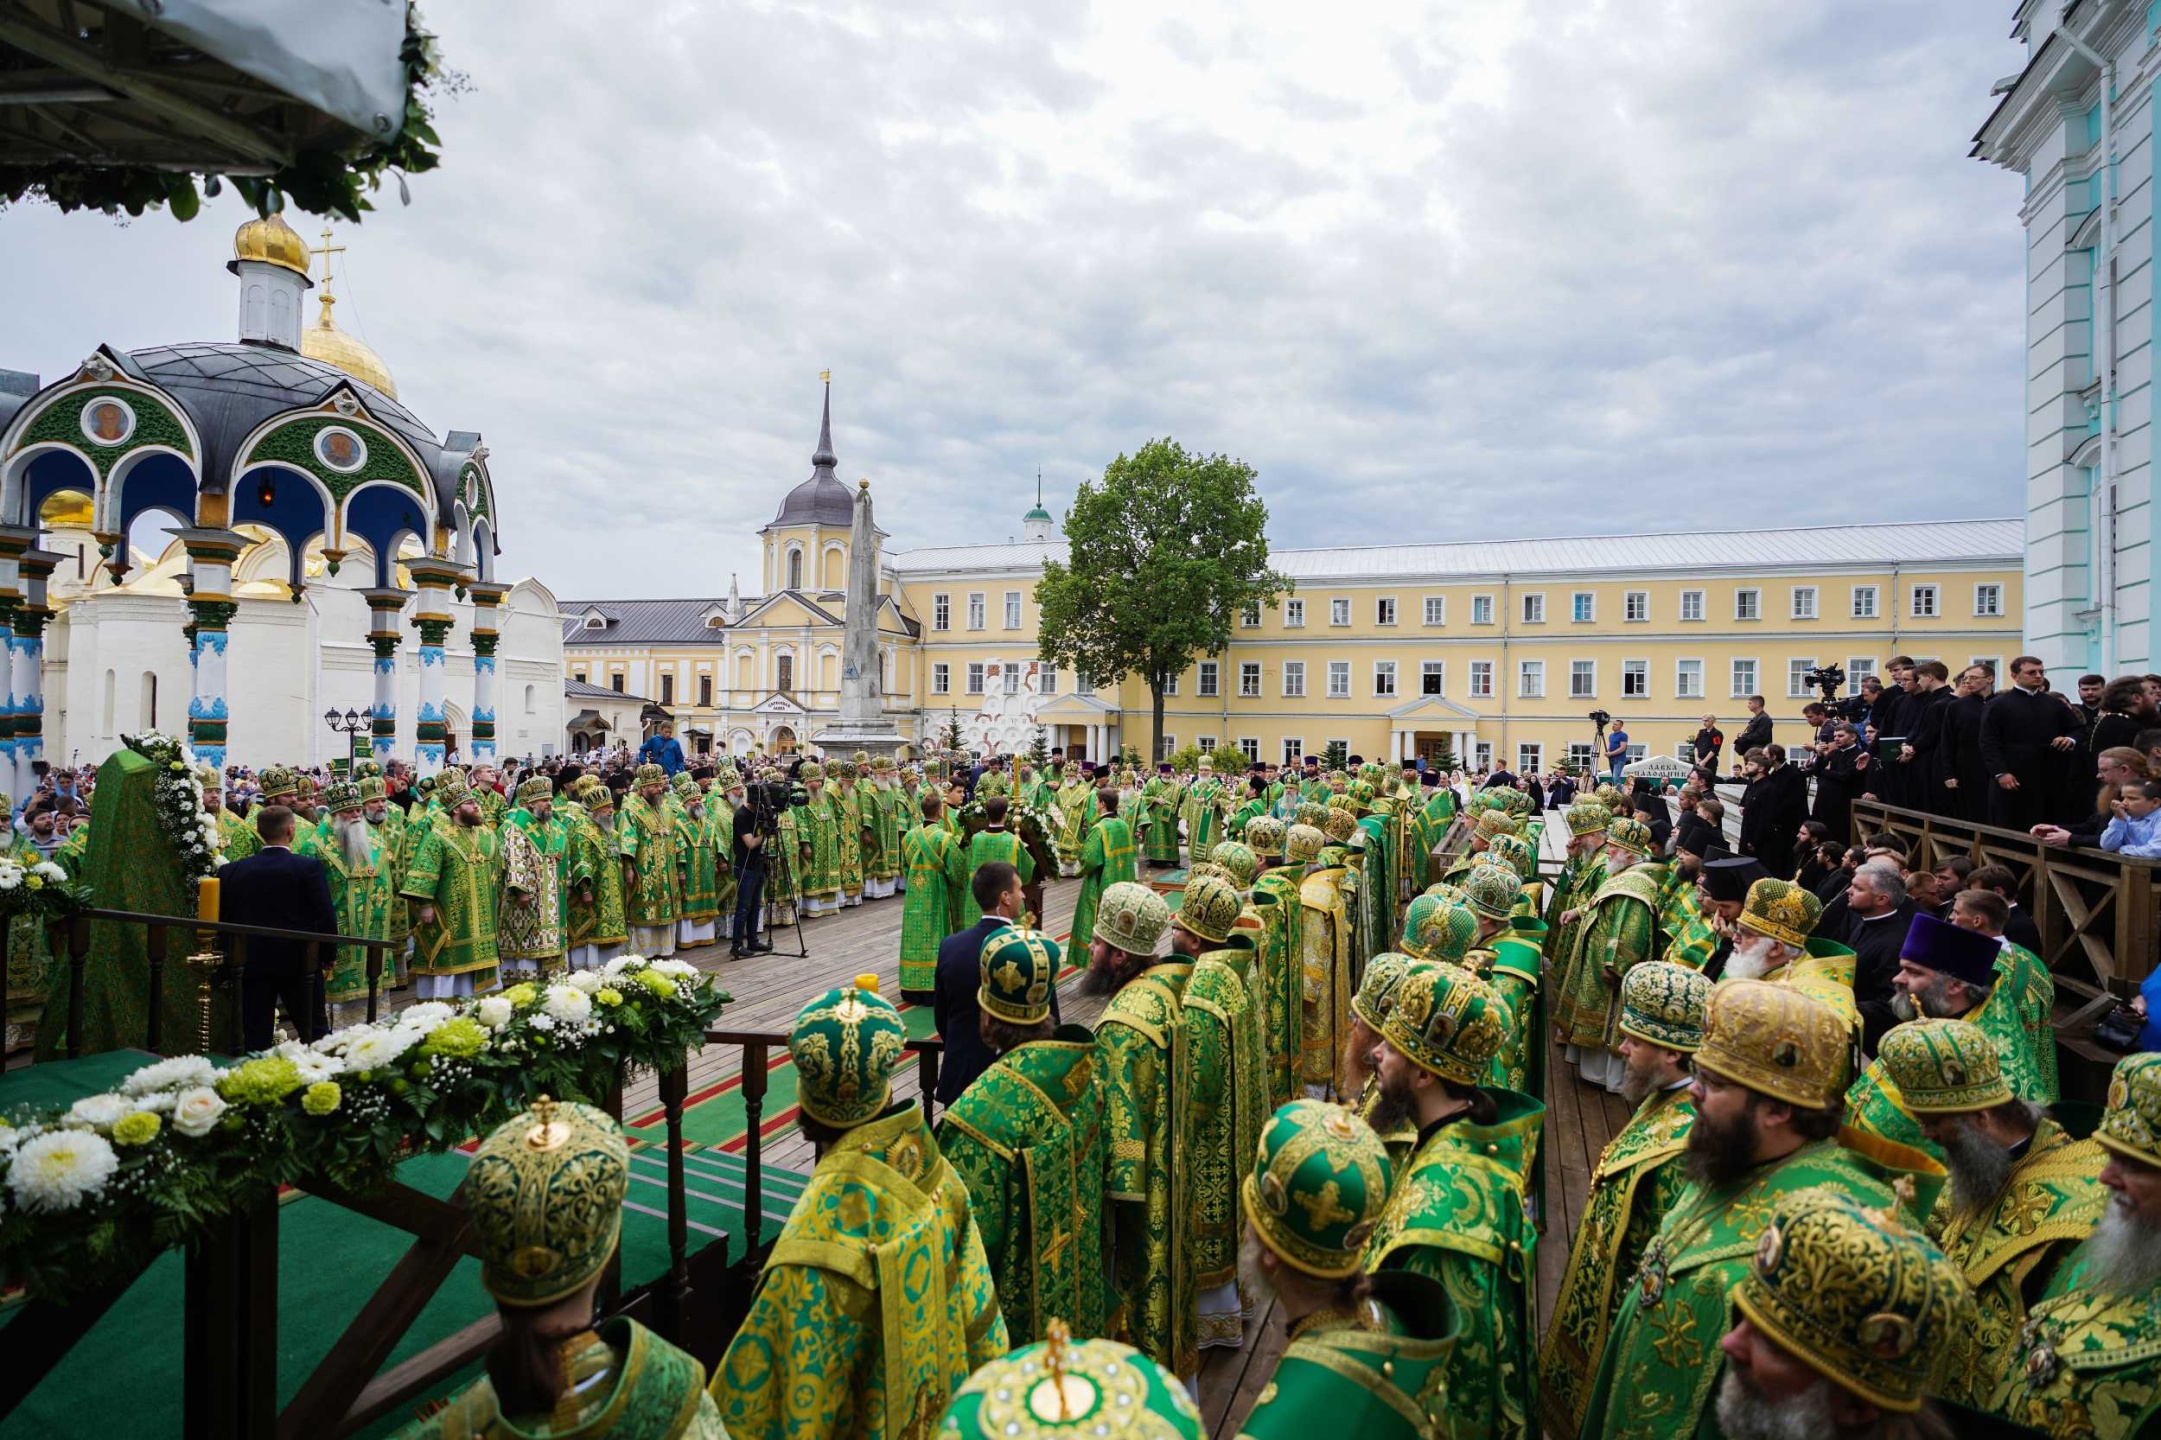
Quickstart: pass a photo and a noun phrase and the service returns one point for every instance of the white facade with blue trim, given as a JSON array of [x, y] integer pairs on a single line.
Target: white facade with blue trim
[[2078, 123]]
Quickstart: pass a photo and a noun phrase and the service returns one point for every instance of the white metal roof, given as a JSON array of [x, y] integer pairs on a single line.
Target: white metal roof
[[1916, 544]]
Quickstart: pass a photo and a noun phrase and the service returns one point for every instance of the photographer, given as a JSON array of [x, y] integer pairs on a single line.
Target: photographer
[[1838, 779], [751, 831]]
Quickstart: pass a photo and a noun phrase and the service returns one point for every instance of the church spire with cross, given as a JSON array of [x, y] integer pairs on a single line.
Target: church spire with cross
[[1036, 524]]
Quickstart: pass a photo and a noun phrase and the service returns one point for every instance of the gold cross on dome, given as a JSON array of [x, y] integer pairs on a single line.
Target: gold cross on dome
[[1323, 1210], [326, 250]]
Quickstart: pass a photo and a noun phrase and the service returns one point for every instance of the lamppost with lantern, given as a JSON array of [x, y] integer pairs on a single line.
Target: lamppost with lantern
[[350, 725]]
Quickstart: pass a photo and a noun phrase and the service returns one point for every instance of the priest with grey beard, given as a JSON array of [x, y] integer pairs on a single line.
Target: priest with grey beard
[[2023, 1190], [2087, 1350]]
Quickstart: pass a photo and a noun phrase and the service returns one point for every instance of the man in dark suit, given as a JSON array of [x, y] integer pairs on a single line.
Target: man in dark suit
[[1772, 809], [1878, 916], [2025, 734], [281, 890], [998, 891]]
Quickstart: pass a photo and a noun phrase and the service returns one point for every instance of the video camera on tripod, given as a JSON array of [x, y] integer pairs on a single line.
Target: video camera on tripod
[[768, 798], [1830, 679]]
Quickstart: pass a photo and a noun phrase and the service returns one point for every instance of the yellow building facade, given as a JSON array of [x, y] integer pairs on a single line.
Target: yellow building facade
[[1496, 651]]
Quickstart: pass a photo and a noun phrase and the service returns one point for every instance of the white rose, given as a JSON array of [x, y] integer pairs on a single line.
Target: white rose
[[586, 981], [196, 1111], [97, 1111], [173, 1074], [567, 1003], [59, 1169], [495, 1012]]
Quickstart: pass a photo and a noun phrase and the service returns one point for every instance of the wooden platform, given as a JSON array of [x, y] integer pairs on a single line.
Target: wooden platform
[[770, 989]]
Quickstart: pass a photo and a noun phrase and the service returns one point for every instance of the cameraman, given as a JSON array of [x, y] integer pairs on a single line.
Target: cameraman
[[749, 860]]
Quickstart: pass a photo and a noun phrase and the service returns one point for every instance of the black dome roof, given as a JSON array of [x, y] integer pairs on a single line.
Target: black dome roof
[[822, 499]]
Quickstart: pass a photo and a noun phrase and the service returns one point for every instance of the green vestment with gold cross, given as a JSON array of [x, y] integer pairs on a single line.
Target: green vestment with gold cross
[[1028, 1139], [1380, 1372], [1327, 973], [1230, 1105], [1144, 1059], [1458, 1215], [874, 1304], [532, 907], [457, 870], [931, 908], [1661, 1362], [697, 864], [626, 1383], [1689, 938], [1378, 887], [1076, 809], [1107, 856], [1621, 933], [1279, 963], [2011, 1247], [362, 897], [595, 869], [1581, 878], [2087, 1363], [991, 847], [1202, 808], [883, 819], [1161, 801], [817, 856], [1639, 1175], [645, 836], [1520, 1063]]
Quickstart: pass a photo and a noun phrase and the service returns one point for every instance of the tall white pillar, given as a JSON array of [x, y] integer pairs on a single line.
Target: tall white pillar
[[212, 549], [487, 597], [433, 619], [384, 607]]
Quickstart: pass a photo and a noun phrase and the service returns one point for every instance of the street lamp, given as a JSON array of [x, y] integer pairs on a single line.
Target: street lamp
[[350, 724]]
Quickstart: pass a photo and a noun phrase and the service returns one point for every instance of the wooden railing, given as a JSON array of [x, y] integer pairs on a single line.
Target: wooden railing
[[2099, 914]]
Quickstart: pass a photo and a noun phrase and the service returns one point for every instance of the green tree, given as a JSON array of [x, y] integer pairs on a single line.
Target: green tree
[[1039, 750], [1163, 552], [953, 739], [1336, 757]]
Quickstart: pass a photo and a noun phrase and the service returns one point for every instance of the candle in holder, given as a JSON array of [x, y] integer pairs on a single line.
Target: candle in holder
[[206, 899]]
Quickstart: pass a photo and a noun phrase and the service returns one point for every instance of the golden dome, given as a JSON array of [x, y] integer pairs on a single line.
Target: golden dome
[[324, 341], [273, 242]]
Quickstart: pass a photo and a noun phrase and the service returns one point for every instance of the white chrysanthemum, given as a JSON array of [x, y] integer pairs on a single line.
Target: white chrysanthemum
[[675, 967], [174, 1074], [9, 1138], [495, 1012], [158, 1104], [10, 879], [59, 1169], [586, 982], [196, 1111], [312, 1067], [538, 1022], [45, 869], [425, 1016], [98, 1111], [621, 963], [377, 1048], [567, 1003]]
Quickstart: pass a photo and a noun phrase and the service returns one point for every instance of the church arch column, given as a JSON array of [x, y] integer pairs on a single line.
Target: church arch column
[[434, 577], [212, 551], [385, 605], [487, 598]]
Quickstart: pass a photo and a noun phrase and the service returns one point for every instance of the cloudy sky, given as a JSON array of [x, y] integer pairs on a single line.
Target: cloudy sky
[[1438, 271]]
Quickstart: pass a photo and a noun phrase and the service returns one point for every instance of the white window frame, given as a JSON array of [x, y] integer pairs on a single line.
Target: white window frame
[[1047, 679], [1481, 754], [1009, 675], [1384, 679], [1636, 607], [1294, 614], [1384, 610], [1339, 610], [1935, 602], [1294, 679], [1437, 670], [1481, 609], [1804, 602], [1640, 672], [941, 612], [1530, 679], [1581, 755], [1482, 671], [1249, 679], [1586, 679], [1754, 685], [1250, 747], [1583, 607], [1012, 610], [1858, 668], [1436, 609], [1748, 603], [1339, 670], [1530, 757], [1992, 591], [978, 610], [1294, 750], [1209, 683], [941, 678], [1796, 687], [1692, 599], [1207, 744], [1866, 601], [1681, 675], [975, 677], [1170, 686], [1533, 608], [1249, 617], [1170, 743]]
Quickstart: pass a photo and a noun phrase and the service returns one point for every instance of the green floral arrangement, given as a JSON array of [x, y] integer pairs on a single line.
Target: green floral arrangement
[[90, 1194], [177, 796]]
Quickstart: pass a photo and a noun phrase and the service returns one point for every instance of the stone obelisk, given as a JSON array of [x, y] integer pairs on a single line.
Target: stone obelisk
[[863, 724]]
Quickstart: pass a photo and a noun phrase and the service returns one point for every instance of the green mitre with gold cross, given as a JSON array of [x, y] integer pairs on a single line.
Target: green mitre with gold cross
[[845, 1045], [1318, 1187], [1067, 1389], [1019, 966]]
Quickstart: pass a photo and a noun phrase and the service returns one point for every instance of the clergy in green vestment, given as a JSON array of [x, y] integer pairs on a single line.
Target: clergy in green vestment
[[1458, 1213], [1770, 1077], [29, 954], [362, 887], [530, 912], [876, 1302], [645, 838], [993, 844], [1368, 1355], [817, 841], [544, 1198], [1145, 1061], [883, 820], [1947, 972], [1568, 907], [720, 807], [1027, 1138], [389, 824], [1505, 954], [237, 839], [845, 800], [1075, 810], [697, 861], [1230, 1098], [599, 923], [1107, 858], [2026, 983], [1327, 960], [1620, 934], [1162, 798], [454, 879], [938, 876], [1201, 807], [1072, 1389], [1359, 1078], [1637, 1179], [1279, 959]]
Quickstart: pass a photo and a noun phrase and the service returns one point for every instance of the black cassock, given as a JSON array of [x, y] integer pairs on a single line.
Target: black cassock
[[2017, 729]]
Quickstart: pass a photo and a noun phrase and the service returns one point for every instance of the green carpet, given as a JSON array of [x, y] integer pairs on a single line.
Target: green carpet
[[124, 1378]]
